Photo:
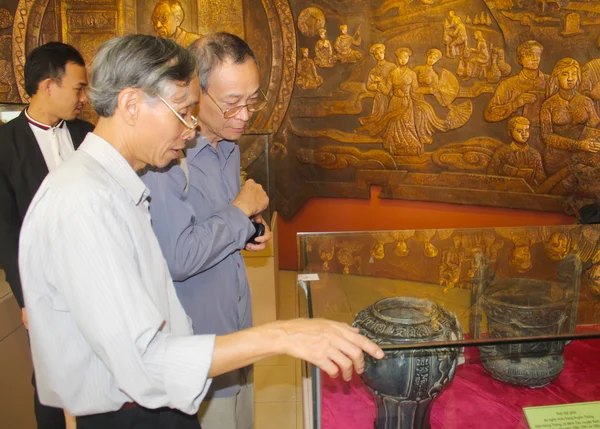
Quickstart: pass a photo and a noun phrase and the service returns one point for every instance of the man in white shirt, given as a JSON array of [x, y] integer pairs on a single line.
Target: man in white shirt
[[122, 353], [45, 134]]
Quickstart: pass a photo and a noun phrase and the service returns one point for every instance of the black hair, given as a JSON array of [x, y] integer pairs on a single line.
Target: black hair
[[49, 61]]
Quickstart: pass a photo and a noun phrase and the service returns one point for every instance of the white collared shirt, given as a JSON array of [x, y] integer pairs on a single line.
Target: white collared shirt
[[55, 142], [105, 323]]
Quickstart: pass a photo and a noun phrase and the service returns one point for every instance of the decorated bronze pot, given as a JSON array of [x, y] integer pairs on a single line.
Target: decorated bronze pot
[[525, 308], [406, 381]]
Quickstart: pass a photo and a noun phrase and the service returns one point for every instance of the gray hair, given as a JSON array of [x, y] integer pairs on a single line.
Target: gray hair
[[137, 61], [214, 49]]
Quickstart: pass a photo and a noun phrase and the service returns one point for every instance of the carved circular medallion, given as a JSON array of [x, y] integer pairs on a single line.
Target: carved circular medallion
[[6, 19], [310, 20]]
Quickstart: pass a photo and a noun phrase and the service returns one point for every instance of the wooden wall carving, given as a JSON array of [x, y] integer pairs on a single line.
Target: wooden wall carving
[[416, 96]]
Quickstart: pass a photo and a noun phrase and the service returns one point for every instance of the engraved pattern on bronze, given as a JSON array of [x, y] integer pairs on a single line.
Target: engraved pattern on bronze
[[406, 382]]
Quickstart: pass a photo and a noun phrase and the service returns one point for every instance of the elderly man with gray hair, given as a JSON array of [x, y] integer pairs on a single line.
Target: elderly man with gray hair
[[110, 341]]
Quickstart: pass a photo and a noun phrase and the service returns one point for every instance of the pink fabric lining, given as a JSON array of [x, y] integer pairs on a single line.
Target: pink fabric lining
[[473, 400]]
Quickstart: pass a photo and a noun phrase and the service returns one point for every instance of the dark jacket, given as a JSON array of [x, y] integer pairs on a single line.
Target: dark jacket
[[22, 170]]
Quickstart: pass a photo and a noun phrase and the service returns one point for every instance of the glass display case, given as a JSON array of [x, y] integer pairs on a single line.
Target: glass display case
[[476, 324]]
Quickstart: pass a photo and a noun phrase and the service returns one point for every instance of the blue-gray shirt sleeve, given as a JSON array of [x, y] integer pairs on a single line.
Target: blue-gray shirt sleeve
[[191, 246]]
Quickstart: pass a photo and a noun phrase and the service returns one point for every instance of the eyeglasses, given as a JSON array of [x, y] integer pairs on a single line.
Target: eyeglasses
[[190, 130], [252, 107]]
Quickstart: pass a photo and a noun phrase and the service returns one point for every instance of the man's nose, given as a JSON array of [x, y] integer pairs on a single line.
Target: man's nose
[[244, 114]]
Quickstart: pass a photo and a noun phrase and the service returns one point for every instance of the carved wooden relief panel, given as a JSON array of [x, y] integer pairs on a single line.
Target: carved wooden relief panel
[[491, 102]]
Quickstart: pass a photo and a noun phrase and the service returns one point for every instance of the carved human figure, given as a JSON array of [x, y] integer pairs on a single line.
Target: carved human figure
[[324, 57], [455, 36], [345, 256], [590, 81], [343, 46], [426, 75], [401, 248], [523, 94], [400, 136], [451, 265], [558, 245], [378, 250], [518, 159], [568, 118], [476, 60], [308, 78], [410, 121], [326, 252], [167, 18], [376, 83], [519, 258]]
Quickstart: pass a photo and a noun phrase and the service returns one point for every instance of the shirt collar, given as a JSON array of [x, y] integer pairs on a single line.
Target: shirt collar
[[202, 142], [519, 148], [114, 163], [42, 125]]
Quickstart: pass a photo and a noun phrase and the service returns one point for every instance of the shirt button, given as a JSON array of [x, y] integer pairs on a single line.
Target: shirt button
[[238, 264], [239, 298]]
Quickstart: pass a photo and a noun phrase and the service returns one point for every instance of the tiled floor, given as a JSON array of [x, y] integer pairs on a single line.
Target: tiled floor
[[278, 381]]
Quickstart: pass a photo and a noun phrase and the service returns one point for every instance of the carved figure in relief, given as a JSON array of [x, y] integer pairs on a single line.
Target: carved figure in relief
[[558, 245], [326, 252], [476, 60], [345, 255], [455, 36], [523, 94], [343, 46], [167, 18], [410, 121], [568, 118], [426, 75], [519, 257], [378, 250], [401, 248], [451, 265], [324, 51], [425, 237], [457, 261], [400, 135], [590, 81], [518, 159], [376, 83], [308, 77], [444, 86]]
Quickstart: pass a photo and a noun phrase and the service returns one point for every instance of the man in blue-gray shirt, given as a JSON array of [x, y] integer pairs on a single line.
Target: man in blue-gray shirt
[[203, 218]]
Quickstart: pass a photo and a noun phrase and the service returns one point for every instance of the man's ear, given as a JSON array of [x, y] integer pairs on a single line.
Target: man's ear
[[46, 85], [128, 104]]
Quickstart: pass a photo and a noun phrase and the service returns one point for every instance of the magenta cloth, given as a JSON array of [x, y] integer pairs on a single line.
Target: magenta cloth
[[473, 399]]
